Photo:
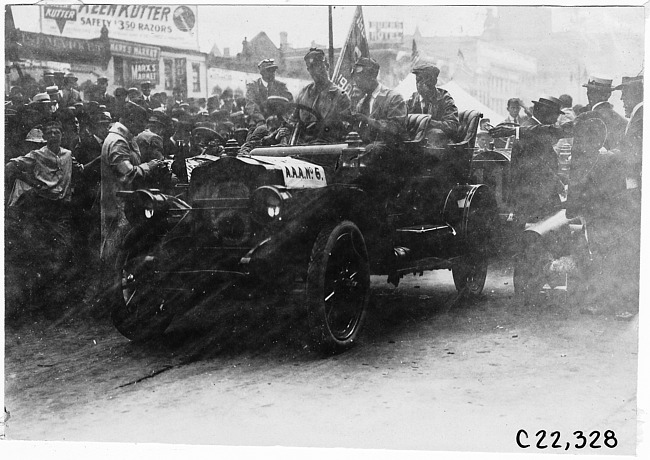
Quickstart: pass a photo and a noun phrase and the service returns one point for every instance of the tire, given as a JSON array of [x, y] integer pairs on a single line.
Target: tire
[[141, 309], [338, 287], [469, 275]]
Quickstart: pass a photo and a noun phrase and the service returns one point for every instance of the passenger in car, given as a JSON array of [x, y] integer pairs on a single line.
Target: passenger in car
[[381, 115], [436, 102]]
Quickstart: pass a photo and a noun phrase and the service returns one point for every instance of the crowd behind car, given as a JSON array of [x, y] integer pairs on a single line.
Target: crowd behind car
[[67, 155]]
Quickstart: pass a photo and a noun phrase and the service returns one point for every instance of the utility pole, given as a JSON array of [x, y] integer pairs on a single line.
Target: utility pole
[[331, 50]]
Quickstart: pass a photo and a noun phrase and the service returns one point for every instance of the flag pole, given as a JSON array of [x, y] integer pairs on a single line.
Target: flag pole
[[331, 43]]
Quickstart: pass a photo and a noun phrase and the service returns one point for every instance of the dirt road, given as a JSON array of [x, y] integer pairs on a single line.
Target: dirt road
[[428, 374]]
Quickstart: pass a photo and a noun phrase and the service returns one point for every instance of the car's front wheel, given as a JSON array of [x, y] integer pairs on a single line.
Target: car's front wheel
[[338, 286], [142, 306]]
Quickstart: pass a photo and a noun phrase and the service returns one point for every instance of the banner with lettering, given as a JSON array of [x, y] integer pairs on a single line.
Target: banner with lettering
[[161, 25], [355, 47]]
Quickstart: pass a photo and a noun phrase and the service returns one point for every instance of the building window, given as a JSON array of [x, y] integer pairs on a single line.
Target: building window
[[196, 77], [169, 74]]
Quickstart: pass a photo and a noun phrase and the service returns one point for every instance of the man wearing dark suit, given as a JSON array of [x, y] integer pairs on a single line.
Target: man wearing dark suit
[[258, 91], [534, 165], [70, 95], [632, 144], [632, 149], [102, 95], [599, 91], [436, 102], [380, 115], [146, 100]]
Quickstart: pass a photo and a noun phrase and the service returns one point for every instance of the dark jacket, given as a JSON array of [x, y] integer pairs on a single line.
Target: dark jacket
[[614, 122], [257, 93], [443, 111], [389, 110], [534, 167]]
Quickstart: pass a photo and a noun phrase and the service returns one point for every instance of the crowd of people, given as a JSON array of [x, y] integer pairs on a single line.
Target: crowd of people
[[67, 156]]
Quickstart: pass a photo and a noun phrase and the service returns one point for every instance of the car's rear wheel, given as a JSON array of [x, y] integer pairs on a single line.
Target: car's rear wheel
[[142, 306], [338, 287]]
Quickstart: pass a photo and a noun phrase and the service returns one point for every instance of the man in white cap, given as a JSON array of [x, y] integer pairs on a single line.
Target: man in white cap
[[258, 91]]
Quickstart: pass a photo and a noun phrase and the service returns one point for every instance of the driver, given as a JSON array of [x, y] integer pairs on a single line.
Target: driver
[[324, 97]]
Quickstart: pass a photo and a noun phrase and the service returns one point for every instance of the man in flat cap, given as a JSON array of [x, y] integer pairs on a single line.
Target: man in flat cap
[[258, 91], [102, 95], [599, 91], [38, 232], [436, 102], [534, 165], [324, 97], [380, 116], [122, 169]]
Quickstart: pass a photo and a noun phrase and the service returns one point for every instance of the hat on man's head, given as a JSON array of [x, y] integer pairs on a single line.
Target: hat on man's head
[[102, 78], [145, 84], [630, 81], [48, 72], [58, 73], [161, 118], [426, 69], [315, 55], [120, 91], [550, 102], [134, 111], [604, 84], [205, 127], [35, 135], [267, 64], [52, 89], [365, 64], [102, 117], [70, 76], [133, 89], [41, 98]]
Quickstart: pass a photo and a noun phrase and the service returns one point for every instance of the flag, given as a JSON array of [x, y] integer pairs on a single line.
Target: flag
[[415, 54], [355, 46]]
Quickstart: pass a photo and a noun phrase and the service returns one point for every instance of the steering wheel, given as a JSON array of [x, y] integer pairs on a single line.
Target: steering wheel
[[300, 124]]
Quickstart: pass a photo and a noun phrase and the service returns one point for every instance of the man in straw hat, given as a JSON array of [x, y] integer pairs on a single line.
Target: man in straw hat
[[599, 90], [258, 91]]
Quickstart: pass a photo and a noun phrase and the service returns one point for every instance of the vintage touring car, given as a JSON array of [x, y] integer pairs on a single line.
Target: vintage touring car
[[326, 216]]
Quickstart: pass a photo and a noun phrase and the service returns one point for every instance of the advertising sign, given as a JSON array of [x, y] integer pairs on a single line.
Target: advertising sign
[[141, 71], [162, 25], [64, 49]]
